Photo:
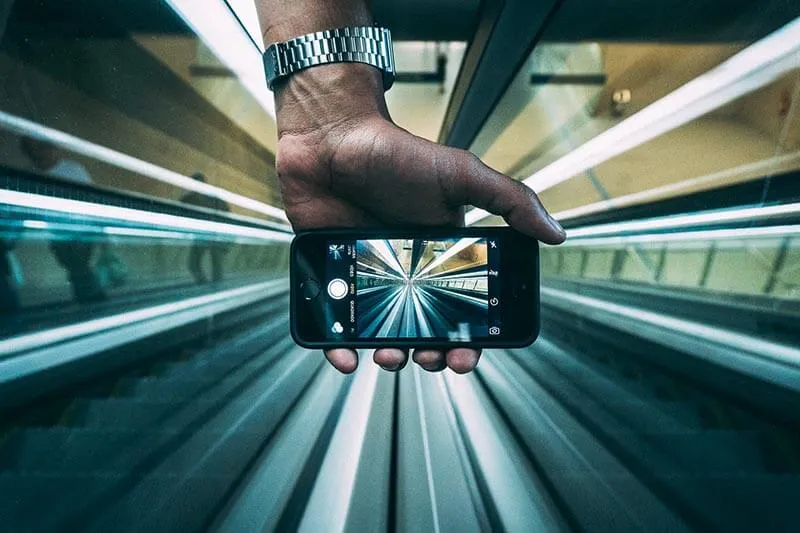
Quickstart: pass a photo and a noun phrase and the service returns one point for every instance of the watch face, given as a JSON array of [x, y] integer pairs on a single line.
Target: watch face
[[271, 64]]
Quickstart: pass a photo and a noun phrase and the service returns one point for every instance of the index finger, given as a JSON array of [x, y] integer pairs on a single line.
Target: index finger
[[498, 194]]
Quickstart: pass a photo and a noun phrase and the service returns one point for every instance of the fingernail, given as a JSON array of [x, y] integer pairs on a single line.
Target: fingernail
[[393, 368], [556, 225]]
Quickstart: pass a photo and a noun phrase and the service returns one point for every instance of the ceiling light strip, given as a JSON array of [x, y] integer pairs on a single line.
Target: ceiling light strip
[[749, 70], [214, 23], [74, 144], [765, 167]]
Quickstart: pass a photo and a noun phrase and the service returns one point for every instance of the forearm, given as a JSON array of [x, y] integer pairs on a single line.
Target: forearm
[[320, 96], [284, 19]]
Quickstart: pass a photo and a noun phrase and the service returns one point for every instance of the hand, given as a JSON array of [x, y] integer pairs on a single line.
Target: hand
[[342, 162]]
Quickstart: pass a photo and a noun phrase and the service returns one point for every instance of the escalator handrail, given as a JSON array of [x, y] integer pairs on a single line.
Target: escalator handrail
[[28, 128], [781, 214], [137, 217], [35, 352], [767, 361]]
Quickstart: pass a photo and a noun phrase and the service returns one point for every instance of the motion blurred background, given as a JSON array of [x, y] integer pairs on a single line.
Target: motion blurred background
[[147, 378]]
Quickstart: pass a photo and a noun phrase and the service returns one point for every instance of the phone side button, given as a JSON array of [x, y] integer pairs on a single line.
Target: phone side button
[[310, 288]]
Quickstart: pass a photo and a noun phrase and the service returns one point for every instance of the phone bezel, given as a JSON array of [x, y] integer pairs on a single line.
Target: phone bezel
[[526, 327]]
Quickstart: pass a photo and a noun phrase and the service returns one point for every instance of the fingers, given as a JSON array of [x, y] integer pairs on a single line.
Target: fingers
[[344, 360], [479, 185], [391, 359], [462, 360], [459, 360], [430, 360]]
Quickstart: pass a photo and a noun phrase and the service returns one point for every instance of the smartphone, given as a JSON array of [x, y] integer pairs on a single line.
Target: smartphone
[[414, 288]]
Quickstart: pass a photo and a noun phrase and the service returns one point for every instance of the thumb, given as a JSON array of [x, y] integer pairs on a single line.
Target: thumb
[[482, 187]]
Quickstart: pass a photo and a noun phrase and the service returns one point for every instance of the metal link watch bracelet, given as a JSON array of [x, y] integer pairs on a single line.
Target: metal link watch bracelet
[[360, 44]]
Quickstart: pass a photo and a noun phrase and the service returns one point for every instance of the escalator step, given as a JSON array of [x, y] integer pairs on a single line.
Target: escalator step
[[700, 453]]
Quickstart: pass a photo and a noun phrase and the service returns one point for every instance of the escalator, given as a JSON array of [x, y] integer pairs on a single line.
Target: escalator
[[662, 395]]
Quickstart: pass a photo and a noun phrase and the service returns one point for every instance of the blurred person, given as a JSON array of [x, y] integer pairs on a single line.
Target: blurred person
[[50, 160], [9, 279], [216, 250], [341, 161], [74, 256], [5, 13]]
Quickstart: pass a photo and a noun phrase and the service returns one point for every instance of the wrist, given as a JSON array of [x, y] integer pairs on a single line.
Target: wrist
[[315, 100]]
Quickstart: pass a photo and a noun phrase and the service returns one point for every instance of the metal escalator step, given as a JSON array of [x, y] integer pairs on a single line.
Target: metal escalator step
[[209, 464], [133, 413], [656, 416], [76, 449], [17, 491], [134, 453], [182, 415], [211, 363], [50, 448], [176, 390], [709, 452], [642, 386], [597, 488], [611, 385], [182, 388], [749, 502], [30, 445], [609, 403], [260, 499], [239, 346]]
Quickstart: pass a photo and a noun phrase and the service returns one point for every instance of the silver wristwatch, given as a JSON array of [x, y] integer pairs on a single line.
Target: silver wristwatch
[[362, 44]]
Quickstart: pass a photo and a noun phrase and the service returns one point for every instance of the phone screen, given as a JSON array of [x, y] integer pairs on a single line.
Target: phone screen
[[414, 288]]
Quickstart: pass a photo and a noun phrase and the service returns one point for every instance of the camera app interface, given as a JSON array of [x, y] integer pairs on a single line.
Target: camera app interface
[[406, 288]]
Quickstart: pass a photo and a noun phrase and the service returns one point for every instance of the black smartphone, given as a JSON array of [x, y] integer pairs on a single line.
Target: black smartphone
[[414, 288]]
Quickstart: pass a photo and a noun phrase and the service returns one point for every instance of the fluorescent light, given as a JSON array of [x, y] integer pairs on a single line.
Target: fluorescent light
[[147, 233], [135, 216], [451, 252], [248, 15], [752, 68], [685, 236], [758, 168], [214, 23], [683, 221], [35, 224], [77, 145], [53, 227]]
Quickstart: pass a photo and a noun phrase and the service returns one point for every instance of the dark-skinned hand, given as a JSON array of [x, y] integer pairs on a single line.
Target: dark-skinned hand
[[342, 162]]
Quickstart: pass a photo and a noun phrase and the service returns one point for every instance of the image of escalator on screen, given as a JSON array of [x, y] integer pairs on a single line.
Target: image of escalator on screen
[[422, 288]]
